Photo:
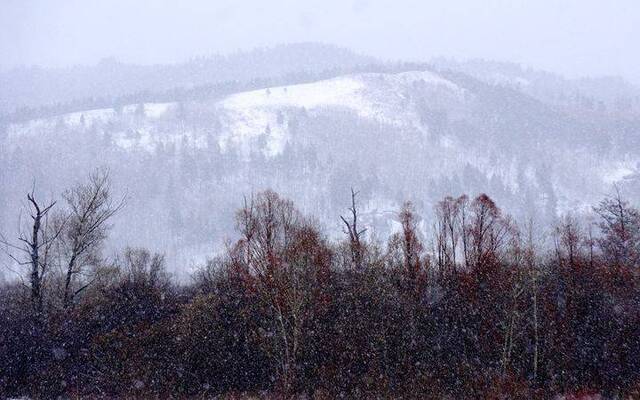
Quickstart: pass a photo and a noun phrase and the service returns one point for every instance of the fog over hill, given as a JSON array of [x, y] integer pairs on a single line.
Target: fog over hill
[[310, 121], [111, 80], [603, 94]]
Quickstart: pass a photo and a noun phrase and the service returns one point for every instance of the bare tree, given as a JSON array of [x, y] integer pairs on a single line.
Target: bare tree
[[412, 247], [620, 227], [533, 270], [35, 246], [514, 283], [141, 269], [355, 234], [569, 239], [84, 229], [485, 234], [283, 257], [450, 222]]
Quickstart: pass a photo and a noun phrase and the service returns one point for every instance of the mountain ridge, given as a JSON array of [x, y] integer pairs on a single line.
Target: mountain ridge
[[411, 135]]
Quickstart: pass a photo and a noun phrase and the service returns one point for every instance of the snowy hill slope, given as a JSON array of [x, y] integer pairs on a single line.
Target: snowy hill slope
[[412, 135], [378, 97], [110, 80]]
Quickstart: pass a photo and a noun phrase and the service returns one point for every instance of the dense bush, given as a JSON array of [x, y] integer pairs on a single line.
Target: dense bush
[[480, 311]]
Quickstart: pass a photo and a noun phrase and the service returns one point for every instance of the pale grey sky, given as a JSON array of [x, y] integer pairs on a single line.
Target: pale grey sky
[[573, 37]]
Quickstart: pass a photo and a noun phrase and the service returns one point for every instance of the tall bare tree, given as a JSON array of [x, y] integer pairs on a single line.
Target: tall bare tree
[[486, 233], [450, 221], [85, 225], [620, 227], [33, 248], [355, 234], [284, 258], [413, 265]]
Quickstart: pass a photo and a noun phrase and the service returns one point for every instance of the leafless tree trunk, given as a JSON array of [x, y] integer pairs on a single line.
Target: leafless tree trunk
[[450, 225], [620, 228], [35, 248], [85, 229], [355, 234], [514, 316], [273, 256], [536, 335], [532, 273]]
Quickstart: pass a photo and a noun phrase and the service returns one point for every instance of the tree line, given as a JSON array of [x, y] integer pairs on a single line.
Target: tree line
[[478, 308]]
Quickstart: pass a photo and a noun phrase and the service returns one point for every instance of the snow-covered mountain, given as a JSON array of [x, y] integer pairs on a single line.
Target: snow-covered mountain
[[377, 98], [397, 135]]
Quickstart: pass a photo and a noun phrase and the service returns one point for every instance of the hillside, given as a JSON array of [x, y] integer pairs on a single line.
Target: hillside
[[28, 89], [411, 135]]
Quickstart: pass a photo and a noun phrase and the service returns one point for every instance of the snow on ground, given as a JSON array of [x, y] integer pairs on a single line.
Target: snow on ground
[[250, 115], [156, 110], [344, 91], [86, 118], [90, 117], [262, 115], [618, 171], [427, 77]]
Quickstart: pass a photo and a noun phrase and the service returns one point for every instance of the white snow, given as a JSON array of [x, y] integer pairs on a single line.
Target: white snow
[[259, 118], [250, 115], [426, 77], [88, 117], [618, 171], [156, 110], [343, 91]]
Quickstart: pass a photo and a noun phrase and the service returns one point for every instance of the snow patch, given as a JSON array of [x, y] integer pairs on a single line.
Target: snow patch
[[88, 118], [619, 171], [156, 110]]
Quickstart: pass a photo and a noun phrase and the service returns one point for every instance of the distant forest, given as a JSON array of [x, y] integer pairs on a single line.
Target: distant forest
[[43, 92], [481, 307], [32, 92], [198, 92]]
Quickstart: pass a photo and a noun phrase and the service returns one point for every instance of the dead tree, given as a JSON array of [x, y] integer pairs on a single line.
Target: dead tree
[[35, 247], [355, 234]]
